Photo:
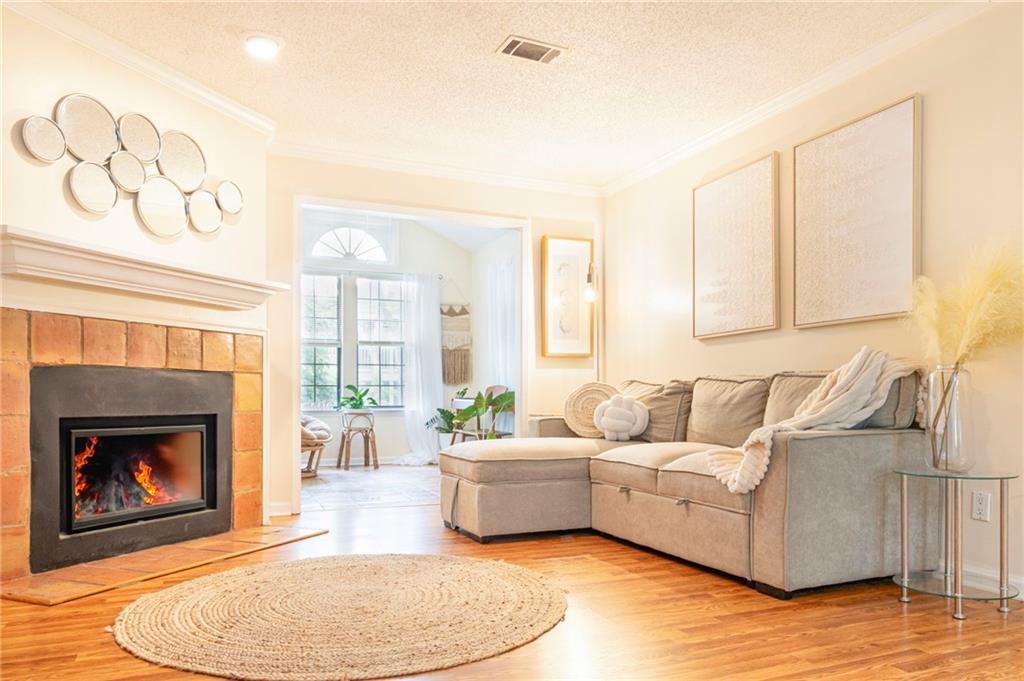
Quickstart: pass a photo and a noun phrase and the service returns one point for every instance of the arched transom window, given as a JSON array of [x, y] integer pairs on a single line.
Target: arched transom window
[[350, 243]]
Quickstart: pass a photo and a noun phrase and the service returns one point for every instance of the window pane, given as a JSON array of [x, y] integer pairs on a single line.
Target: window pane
[[369, 375], [390, 289], [320, 376], [320, 307], [390, 331], [379, 331], [326, 398], [375, 394], [369, 354], [390, 397], [391, 375], [369, 331], [391, 354]]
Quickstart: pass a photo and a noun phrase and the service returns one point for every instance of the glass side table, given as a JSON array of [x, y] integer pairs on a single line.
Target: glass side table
[[950, 582]]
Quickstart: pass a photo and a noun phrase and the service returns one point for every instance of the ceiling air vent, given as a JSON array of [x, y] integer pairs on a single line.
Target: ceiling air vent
[[517, 46]]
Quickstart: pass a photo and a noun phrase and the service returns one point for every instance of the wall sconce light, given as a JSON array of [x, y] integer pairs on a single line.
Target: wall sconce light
[[590, 290]]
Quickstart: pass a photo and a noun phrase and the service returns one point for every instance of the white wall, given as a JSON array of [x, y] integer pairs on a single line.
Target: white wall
[[420, 251], [41, 66], [970, 82]]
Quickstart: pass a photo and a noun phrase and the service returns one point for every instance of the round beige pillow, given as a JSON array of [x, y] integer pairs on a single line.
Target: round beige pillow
[[580, 406]]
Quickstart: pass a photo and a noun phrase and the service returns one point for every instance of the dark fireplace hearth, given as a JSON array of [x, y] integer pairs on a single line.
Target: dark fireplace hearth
[[120, 470], [126, 458]]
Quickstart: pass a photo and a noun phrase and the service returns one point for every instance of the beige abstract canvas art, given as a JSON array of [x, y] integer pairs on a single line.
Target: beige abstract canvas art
[[566, 316], [856, 203], [735, 261]]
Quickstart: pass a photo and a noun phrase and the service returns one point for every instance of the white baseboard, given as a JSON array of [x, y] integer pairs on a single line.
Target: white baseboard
[[975, 575], [280, 508]]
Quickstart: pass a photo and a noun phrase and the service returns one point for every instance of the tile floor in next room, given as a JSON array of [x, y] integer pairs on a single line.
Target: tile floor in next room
[[633, 614]]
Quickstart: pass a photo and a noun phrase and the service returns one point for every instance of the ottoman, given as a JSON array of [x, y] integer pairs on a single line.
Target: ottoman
[[491, 488]]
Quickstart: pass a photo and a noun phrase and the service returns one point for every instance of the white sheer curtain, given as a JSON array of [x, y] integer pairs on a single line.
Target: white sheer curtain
[[501, 361], [424, 391]]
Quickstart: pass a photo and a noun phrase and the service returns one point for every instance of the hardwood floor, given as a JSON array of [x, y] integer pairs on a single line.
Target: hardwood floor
[[632, 614]]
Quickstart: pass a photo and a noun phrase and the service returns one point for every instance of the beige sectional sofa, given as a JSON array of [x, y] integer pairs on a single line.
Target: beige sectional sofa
[[827, 511]]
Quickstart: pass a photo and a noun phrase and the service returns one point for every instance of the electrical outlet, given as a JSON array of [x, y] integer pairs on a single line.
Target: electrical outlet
[[981, 506]]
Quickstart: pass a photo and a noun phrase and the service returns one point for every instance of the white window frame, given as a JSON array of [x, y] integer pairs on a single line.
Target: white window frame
[[349, 333]]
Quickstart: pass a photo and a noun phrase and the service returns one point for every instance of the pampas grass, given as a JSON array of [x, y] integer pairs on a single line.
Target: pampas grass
[[982, 310]]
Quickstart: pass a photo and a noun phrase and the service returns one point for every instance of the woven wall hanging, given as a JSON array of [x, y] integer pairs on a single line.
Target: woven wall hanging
[[456, 345]]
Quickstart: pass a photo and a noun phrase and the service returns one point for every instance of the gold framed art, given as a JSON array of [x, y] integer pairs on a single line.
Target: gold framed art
[[734, 270], [857, 218], [567, 319]]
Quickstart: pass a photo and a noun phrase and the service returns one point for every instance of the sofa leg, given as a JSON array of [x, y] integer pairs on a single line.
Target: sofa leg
[[773, 591]]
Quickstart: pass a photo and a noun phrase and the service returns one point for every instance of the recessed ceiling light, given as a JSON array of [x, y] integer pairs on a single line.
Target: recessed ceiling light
[[261, 47]]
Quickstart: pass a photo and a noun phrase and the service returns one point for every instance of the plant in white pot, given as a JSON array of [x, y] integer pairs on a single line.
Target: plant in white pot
[[358, 401], [984, 309]]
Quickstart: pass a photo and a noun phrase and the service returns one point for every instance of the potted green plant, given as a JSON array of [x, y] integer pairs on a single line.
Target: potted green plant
[[484, 403], [358, 401], [444, 421]]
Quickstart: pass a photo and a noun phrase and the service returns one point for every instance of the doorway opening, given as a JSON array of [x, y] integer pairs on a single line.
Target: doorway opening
[[406, 315]]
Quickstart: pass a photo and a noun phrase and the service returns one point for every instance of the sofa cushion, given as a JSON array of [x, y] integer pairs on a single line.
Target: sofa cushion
[[669, 407], [523, 458], [788, 390], [689, 477], [726, 410], [636, 465], [900, 407]]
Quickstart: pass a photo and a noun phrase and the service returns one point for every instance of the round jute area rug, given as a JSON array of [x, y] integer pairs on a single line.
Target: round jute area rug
[[341, 617]]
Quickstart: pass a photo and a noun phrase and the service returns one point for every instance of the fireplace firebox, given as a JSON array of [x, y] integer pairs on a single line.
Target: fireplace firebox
[[126, 458], [120, 470]]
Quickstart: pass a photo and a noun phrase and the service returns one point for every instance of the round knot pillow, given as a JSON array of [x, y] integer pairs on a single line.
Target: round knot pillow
[[621, 418], [580, 406]]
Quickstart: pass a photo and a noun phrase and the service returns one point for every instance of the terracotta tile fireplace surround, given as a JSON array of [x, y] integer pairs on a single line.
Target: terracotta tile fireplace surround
[[179, 357]]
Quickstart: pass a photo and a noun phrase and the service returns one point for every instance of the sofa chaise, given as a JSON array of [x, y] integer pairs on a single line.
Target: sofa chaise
[[827, 511]]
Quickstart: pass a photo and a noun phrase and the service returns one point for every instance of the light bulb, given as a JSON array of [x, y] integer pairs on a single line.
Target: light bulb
[[261, 47], [589, 294]]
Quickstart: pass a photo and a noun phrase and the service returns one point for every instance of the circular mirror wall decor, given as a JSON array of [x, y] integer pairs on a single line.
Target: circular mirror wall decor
[[139, 136], [43, 138], [181, 160], [203, 212], [127, 171], [161, 206], [92, 187], [89, 129], [229, 196]]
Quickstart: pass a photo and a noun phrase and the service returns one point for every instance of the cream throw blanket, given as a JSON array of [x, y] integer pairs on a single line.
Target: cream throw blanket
[[845, 398]]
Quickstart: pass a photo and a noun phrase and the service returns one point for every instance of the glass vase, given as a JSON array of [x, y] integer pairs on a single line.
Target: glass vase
[[949, 418]]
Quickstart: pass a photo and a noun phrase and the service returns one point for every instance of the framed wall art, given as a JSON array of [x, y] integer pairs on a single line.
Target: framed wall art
[[567, 319], [735, 251], [856, 202]]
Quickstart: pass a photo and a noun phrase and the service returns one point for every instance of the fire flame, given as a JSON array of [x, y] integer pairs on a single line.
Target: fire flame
[[82, 458], [155, 493]]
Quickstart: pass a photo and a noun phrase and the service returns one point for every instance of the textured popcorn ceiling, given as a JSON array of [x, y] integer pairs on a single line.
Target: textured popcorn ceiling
[[420, 82]]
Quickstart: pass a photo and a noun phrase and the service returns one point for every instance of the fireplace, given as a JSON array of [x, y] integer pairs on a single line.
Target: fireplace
[[126, 458], [120, 470]]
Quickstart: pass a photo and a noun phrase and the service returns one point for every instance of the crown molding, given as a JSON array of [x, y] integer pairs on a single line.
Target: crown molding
[[432, 170], [97, 41], [928, 27]]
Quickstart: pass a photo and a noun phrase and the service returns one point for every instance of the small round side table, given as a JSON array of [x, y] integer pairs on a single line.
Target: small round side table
[[949, 583]]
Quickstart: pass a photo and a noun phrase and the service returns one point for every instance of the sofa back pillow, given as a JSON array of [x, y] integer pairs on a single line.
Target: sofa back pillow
[[900, 407], [726, 410], [669, 407], [788, 390]]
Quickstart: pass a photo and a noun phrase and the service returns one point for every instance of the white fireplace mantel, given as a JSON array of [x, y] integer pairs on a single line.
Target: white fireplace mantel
[[28, 253]]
